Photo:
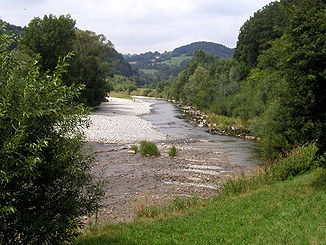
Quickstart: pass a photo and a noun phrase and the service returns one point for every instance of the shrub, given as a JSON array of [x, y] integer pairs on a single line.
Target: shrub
[[148, 148], [173, 151], [45, 180]]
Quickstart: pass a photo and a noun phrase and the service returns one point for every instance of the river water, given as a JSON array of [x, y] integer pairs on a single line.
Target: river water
[[167, 119]]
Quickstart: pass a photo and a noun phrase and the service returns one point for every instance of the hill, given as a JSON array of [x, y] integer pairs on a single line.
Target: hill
[[209, 47], [153, 67], [6, 27], [139, 60]]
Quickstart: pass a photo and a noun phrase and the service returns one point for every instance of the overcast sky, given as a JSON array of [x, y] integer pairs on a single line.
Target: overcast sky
[[136, 26]]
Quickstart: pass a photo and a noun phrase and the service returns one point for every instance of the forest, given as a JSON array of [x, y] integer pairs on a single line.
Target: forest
[[275, 81]]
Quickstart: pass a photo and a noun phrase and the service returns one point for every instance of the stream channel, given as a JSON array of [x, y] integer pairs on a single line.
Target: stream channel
[[167, 119]]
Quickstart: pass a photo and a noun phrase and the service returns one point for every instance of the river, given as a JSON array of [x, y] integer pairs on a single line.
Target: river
[[167, 119]]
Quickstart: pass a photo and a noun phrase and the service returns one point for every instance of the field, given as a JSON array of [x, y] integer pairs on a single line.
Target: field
[[148, 71], [175, 60]]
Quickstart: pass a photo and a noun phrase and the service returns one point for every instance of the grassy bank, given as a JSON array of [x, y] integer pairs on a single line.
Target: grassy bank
[[292, 211]]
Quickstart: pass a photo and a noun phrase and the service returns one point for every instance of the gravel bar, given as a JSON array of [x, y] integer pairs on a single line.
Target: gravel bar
[[119, 121]]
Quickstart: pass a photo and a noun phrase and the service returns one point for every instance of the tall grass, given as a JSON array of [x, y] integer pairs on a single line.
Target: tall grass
[[298, 161], [225, 123]]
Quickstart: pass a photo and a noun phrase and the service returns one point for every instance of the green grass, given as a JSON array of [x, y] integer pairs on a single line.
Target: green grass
[[175, 60], [148, 71], [134, 148], [172, 151], [176, 206], [289, 212], [296, 162]]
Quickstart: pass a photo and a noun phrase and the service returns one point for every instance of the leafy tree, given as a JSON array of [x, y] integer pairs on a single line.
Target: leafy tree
[[297, 115], [45, 180], [259, 31], [89, 67], [51, 37]]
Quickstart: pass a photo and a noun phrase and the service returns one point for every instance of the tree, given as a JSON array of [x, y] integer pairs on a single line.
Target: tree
[[45, 180], [51, 37], [89, 66], [297, 114], [259, 31]]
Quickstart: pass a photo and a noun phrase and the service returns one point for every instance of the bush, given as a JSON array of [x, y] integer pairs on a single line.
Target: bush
[[45, 181], [149, 149], [173, 151]]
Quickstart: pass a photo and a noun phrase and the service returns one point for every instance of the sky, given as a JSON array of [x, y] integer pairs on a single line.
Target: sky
[[137, 26]]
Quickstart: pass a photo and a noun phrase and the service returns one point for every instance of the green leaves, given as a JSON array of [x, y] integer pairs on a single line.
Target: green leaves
[[45, 181]]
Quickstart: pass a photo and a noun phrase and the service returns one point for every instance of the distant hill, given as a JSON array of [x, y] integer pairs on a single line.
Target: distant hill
[[209, 47], [216, 49], [153, 67]]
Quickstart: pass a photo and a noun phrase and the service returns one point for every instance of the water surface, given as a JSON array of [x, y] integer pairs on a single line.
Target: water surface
[[167, 119]]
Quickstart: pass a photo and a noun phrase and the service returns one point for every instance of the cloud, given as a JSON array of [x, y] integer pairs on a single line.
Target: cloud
[[141, 25]]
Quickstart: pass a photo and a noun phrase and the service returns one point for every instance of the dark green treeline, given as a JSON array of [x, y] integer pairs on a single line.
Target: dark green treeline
[[275, 80]]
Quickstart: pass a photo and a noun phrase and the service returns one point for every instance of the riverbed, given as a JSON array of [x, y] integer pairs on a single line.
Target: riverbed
[[133, 181]]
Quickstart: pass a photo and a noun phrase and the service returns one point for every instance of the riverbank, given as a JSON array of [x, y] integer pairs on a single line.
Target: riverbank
[[217, 124]]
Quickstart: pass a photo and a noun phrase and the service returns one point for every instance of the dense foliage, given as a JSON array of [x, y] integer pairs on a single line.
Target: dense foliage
[[94, 56], [148, 148], [276, 80], [51, 37], [120, 83], [12, 30], [259, 31], [45, 181], [88, 66]]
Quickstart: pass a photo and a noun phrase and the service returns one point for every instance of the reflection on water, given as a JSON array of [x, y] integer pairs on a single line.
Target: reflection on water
[[167, 119]]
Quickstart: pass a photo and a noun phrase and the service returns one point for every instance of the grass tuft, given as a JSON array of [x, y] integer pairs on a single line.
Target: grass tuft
[[134, 148], [172, 151], [148, 148]]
